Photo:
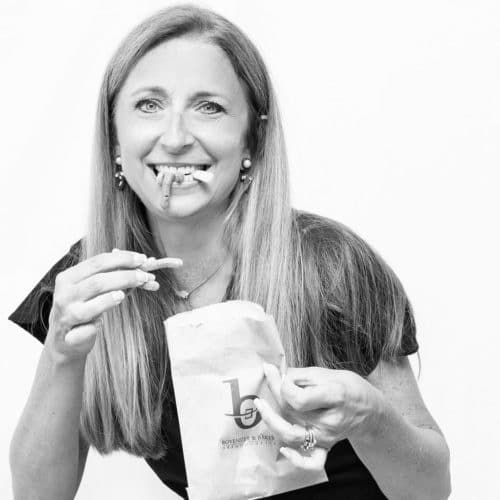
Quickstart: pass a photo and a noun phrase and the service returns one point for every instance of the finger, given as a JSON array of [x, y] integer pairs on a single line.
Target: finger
[[291, 434], [80, 313], [101, 263], [323, 394], [153, 264], [310, 375], [151, 286], [82, 335], [107, 282], [305, 398], [273, 378], [314, 460], [294, 432]]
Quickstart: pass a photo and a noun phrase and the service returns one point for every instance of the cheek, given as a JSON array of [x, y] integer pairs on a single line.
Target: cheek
[[224, 143], [134, 136], [136, 140]]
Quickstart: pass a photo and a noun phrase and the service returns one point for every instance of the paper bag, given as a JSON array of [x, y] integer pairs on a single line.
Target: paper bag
[[216, 354]]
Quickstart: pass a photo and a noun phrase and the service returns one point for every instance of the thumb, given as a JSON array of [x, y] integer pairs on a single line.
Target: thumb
[[273, 379]]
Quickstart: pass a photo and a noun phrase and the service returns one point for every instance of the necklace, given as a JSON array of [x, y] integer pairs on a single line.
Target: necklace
[[184, 294]]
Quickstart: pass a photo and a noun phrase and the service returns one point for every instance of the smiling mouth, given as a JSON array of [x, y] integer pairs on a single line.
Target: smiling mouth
[[176, 168]]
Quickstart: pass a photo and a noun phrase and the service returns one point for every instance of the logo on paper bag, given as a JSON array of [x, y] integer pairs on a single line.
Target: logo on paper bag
[[245, 416]]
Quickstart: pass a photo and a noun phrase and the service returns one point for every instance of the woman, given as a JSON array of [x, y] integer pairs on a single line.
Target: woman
[[190, 163]]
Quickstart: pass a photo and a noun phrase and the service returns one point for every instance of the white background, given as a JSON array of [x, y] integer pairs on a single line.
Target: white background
[[392, 117]]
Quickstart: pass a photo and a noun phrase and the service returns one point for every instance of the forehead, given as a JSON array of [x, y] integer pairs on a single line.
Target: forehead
[[184, 65]]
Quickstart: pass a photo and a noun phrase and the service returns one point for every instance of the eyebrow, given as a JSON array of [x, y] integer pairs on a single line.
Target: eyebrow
[[160, 90]]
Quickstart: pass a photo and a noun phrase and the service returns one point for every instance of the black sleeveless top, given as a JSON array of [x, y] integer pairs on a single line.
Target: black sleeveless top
[[348, 478]]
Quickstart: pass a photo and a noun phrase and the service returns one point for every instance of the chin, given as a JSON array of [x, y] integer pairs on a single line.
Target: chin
[[179, 209]]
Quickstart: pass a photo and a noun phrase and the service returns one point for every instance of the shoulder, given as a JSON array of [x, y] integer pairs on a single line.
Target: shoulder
[[330, 240], [309, 222], [369, 316], [318, 226], [32, 314], [345, 260], [69, 259], [319, 229]]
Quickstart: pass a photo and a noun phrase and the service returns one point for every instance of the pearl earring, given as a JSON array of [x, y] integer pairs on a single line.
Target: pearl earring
[[119, 177], [246, 164]]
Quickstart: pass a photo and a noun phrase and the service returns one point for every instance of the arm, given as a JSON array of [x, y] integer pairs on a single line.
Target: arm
[[384, 418], [404, 449], [46, 443], [47, 454]]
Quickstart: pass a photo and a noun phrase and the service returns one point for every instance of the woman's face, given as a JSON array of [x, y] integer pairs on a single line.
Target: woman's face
[[182, 103]]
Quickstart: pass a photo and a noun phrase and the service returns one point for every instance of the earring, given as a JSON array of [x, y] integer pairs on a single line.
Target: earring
[[246, 164], [119, 177]]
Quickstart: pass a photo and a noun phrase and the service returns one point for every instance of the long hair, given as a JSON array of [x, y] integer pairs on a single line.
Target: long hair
[[311, 273]]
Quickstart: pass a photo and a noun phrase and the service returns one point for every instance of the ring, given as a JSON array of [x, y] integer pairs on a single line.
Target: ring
[[309, 440]]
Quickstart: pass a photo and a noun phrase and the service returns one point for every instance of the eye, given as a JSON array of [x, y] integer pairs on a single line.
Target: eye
[[148, 105], [211, 107]]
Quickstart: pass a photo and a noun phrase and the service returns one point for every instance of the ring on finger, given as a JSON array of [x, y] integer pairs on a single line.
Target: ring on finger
[[309, 439]]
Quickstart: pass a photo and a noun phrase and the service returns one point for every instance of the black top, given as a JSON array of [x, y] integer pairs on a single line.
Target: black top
[[348, 478]]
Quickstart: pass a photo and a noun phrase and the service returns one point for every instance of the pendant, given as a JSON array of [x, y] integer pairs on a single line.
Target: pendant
[[182, 294]]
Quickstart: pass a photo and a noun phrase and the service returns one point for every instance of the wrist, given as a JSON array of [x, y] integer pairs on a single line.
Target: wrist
[[373, 423], [60, 362]]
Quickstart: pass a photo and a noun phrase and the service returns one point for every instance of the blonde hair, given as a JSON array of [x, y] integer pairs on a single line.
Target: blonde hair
[[335, 302]]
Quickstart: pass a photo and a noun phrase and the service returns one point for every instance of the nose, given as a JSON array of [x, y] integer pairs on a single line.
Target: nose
[[176, 137]]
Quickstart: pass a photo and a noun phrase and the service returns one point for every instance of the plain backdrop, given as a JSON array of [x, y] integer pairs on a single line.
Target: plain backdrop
[[392, 118]]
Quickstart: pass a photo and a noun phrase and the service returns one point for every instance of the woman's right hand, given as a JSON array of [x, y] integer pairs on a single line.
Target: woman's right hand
[[83, 292]]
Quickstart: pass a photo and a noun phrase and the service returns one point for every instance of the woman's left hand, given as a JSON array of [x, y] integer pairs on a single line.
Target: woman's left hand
[[335, 404]]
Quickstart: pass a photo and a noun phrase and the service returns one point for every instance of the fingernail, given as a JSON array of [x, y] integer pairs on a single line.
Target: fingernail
[[139, 259], [118, 295], [151, 286], [144, 277]]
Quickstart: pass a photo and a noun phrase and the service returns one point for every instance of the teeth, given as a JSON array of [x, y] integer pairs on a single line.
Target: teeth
[[184, 169], [186, 174]]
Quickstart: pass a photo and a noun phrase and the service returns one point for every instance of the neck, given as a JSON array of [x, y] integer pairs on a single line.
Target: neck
[[196, 240]]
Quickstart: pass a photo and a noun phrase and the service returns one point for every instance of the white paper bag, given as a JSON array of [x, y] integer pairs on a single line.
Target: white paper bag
[[216, 354]]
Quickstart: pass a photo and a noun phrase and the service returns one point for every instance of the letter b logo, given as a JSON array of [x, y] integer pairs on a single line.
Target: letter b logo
[[244, 420]]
